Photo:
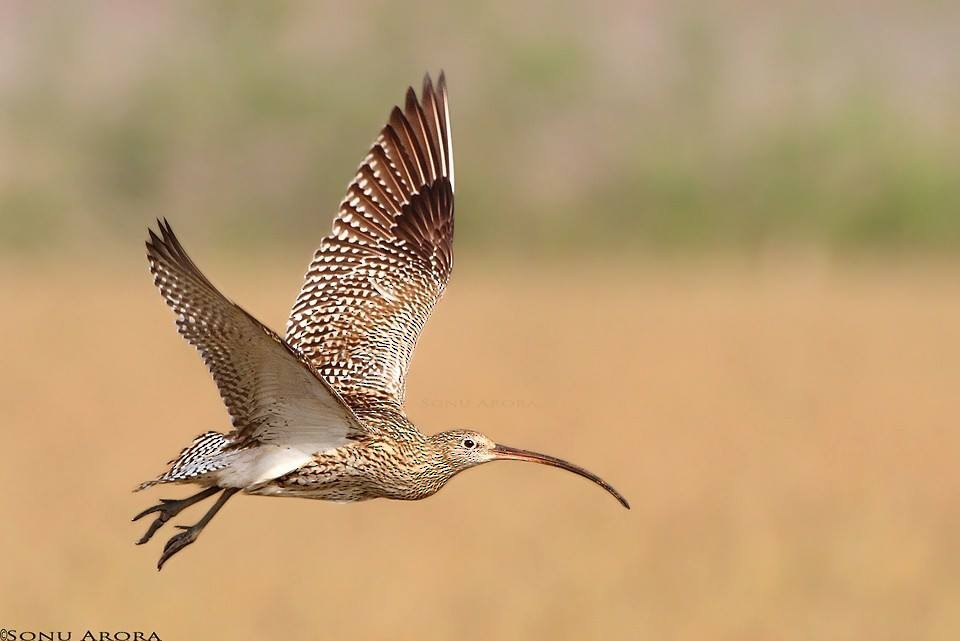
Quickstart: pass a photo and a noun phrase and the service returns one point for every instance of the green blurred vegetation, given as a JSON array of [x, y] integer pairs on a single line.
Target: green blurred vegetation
[[666, 126]]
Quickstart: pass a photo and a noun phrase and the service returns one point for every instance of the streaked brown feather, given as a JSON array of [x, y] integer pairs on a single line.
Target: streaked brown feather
[[269, 389], [375, 279]]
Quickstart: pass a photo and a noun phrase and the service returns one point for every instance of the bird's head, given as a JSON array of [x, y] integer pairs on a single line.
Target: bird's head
[[463, 449]]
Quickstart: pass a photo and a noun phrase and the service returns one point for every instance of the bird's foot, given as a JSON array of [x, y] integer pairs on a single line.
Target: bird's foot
[[179, 541], [167, 508]]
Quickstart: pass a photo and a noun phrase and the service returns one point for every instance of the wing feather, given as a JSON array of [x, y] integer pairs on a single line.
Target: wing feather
[[272, 393], [375, 279]]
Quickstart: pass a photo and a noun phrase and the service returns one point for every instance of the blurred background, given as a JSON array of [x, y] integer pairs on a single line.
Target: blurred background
[[707, 250]]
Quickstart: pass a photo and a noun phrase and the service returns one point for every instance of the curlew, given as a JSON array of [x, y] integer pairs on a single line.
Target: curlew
[[319, 412]]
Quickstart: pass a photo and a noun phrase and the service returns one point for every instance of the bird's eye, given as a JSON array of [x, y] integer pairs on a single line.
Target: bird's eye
[[469, 443]]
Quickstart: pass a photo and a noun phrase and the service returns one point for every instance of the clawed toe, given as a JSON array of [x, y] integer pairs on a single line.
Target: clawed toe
[[158, 522], [177, 543], [162, 505], [169, 508]]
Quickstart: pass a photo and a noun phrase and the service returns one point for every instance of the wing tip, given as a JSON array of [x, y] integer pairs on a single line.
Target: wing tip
[[411, 101], [441, 80], [159, 245], [166, 248], [429, 90]]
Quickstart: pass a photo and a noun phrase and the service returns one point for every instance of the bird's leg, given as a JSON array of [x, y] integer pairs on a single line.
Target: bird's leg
[[169, 508], [190, 533]]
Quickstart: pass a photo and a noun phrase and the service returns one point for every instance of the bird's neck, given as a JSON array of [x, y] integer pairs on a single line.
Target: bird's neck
[[425, 470]]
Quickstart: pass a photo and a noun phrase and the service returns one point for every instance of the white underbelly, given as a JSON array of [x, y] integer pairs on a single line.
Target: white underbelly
[[260, 464]]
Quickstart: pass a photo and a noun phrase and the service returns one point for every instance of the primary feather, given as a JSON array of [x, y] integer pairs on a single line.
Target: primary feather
[[376, 278]]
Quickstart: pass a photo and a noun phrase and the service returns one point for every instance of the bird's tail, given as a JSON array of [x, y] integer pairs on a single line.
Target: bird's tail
[[203, 456]]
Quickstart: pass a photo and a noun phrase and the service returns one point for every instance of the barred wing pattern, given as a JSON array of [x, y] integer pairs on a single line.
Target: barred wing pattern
[[374, 281], [273, 395]]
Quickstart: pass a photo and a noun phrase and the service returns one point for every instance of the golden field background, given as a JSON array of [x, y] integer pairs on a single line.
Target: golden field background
[[707, 250], [785, 429]]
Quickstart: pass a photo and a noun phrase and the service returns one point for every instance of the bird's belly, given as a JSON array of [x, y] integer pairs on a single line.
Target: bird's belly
[[352, 473], [254, 466], [323, 478], [342, 488], [336, 492]]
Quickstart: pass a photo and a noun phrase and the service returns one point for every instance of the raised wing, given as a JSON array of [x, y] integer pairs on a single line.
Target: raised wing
[[376, 278], [273, 395]]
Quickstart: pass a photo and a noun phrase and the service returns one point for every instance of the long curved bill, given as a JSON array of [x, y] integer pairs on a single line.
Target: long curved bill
[[506, 453]]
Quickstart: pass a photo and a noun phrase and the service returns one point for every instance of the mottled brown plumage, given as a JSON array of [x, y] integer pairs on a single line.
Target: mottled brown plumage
[[319, 413]]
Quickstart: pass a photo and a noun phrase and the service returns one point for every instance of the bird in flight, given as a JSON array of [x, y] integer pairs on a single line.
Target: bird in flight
[[318, 413]]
